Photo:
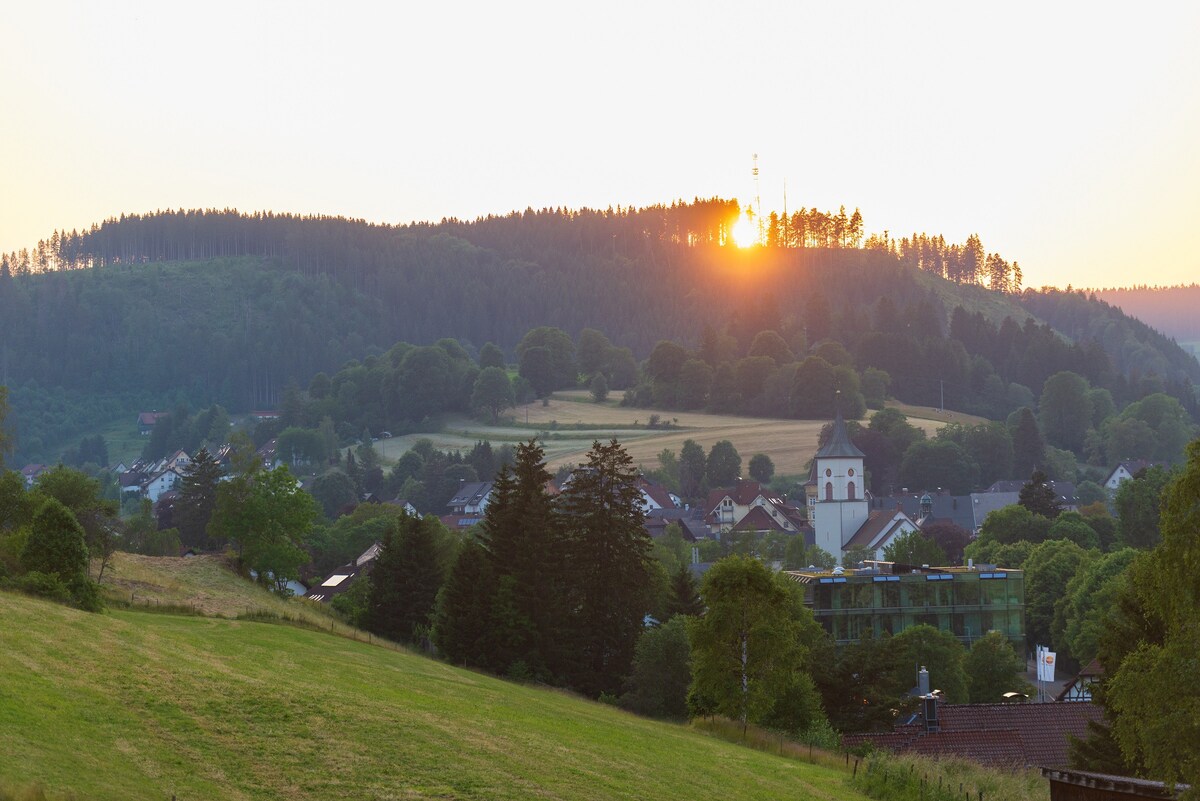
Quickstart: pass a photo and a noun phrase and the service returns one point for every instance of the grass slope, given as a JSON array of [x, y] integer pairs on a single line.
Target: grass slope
[[131, 705]]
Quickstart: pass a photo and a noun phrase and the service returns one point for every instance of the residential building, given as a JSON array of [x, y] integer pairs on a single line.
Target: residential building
[[342, 577], [887, 598], [748, 506], [1080, 688], [1126, 470], [147, 420], [471, 498], [1001, 735]]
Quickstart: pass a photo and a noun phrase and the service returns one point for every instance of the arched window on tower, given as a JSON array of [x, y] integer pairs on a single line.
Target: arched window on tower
[[829, 490], [850, 491]]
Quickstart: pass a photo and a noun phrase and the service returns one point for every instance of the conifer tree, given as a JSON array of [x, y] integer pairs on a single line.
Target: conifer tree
[[197, 498], [404, 581], [685, 595], [609, 553], [524, 542], [464, 624]]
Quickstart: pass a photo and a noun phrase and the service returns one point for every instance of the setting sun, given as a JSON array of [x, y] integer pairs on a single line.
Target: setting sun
[[745, 233]]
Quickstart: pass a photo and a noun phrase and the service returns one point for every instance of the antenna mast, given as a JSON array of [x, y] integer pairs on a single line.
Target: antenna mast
[[757, 200]]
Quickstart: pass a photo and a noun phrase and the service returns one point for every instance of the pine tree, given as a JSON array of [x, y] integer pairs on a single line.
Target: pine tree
[[609, 552], [1029, 449]]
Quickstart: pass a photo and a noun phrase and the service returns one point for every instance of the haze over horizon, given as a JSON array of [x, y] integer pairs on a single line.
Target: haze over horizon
[[1063, 137]]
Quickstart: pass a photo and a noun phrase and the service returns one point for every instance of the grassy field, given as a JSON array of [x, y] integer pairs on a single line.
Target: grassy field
[[570, 422], [130, 705]]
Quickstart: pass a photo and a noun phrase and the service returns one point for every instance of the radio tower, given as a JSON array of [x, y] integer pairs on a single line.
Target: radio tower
[[757, 200]]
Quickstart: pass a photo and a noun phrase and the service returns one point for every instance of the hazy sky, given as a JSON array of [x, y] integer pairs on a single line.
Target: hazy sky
[[1067, 136]]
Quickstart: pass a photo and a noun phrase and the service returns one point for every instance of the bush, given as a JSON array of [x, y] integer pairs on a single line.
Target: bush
[[43, 585]]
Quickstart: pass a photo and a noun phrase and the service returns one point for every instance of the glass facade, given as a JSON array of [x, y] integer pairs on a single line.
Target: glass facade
[[967, 603]]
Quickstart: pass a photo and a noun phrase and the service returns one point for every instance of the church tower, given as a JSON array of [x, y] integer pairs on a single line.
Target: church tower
[[841, 505]]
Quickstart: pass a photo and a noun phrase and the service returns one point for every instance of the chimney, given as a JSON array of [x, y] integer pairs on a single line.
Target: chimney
[[923, 681]]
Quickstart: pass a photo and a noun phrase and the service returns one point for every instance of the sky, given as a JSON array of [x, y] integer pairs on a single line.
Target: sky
[[1066, 135]]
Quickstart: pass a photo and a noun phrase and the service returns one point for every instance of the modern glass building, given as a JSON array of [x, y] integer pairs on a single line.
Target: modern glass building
[[886, 598]]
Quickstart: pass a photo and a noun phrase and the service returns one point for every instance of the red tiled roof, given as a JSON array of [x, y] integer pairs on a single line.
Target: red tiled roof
[[996, 734], [990, 747], [657, 492]]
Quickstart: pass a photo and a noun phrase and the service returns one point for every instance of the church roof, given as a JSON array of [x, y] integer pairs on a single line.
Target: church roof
[[839, 445]]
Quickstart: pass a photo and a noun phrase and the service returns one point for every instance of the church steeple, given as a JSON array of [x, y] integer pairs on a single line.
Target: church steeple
[[839, 445]]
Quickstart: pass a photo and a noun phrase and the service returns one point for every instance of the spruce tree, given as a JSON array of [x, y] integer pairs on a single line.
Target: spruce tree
[[1029, 449], [685, 595], [464, 620], [521, 532], [609, 553], [404, 581], [197, 498]]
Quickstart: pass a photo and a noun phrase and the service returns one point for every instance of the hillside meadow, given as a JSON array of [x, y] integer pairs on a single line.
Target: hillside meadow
[[570, 422], [132, 705]]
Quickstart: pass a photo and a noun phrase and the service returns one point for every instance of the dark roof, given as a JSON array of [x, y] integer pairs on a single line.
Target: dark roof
[[743, 494], [1065, 490], [470, 493], [839, 445], [757, 519], [996, 734], [149, 418], [958, 509], [877, 522]]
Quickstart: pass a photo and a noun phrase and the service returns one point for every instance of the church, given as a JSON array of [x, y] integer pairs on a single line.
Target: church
[[839, 503]]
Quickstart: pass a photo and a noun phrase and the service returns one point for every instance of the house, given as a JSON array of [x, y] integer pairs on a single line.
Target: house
[[728, 509], [178, 461], [984, 503], [1063, 490], [161, 482], [1001, 735], [259, 416], [131, 480], [471, 498], [690, 520], [30, 473], [268, 454], [147, 420], [342, 577], [1126, 470], [1080, 688], [839, 507], [929, 507], [460, 522], [656, 496], [883, 598], [403, 504]]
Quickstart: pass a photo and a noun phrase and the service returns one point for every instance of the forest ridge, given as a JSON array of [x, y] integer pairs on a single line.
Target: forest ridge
[[220, 306]]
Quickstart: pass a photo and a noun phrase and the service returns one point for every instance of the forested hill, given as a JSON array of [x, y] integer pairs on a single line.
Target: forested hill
[[1170, 309], [226, 307]]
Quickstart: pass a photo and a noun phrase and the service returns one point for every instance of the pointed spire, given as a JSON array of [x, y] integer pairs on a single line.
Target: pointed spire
[[839, 445]]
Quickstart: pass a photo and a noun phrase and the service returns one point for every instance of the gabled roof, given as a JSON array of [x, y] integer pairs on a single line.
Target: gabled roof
[[1132, 466], [839, 445], [150, 418], [757, 519], [656, 492], [470, 493], [878, 524]]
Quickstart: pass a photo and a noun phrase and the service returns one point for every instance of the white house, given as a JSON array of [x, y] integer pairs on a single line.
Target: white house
[[1125, 471], [156, 485], [727, 509]]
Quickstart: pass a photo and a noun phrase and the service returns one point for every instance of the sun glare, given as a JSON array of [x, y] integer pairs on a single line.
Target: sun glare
[[745, 234]]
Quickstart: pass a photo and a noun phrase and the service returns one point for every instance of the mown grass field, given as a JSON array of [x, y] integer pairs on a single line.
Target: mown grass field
[[131, 705], [570, 422]]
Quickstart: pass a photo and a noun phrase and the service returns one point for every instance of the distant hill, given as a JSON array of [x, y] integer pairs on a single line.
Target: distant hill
[[142, 705], [1173, 310], [203, 307]]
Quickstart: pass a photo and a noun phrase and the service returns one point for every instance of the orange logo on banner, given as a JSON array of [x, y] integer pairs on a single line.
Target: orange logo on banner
[[1049, 659]]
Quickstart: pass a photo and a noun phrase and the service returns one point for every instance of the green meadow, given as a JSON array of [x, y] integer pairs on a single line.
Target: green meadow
[[134, 704]]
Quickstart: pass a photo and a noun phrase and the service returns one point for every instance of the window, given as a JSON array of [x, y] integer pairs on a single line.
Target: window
[[828, 471], [850, 472], [850, 489], [829, 490]]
